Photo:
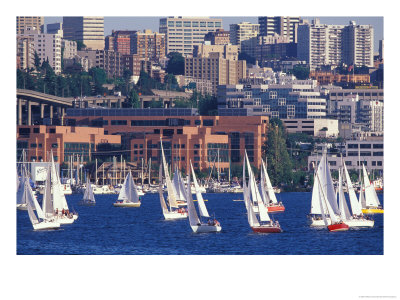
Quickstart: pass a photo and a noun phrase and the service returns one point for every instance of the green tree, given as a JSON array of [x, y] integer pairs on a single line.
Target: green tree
[[80, 45], [37, 61], [300, 72], [176, 63], [279, 165], [133, 99]]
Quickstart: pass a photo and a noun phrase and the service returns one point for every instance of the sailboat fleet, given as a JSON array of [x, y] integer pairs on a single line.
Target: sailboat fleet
[[329, 206]]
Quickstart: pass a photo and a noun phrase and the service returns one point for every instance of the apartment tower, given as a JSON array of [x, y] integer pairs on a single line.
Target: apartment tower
[[24, 22], [283, 26]]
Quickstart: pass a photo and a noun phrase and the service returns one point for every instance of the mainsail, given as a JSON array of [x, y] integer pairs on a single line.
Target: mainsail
[[171, 195], [371, 198], [200, 201], [355, 205], [193, 217]]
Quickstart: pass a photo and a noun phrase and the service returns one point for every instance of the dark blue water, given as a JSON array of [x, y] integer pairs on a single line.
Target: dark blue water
[[104, 229]]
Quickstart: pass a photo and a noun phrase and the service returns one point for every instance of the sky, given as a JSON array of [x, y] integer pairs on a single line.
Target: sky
[[141, 23]]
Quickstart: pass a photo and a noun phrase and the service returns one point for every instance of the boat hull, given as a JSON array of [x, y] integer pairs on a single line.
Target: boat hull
[[65, 220], [127, 204], [46, 225], [173, 215], [276, 208], [372, 211], [206, 228], [338, 227], [360, 223], [267, 229], [22, 207]]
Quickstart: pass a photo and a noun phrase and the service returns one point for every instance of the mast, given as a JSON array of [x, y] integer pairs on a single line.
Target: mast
[[142, 172], [96, 173], [149, 167], [218, 164]]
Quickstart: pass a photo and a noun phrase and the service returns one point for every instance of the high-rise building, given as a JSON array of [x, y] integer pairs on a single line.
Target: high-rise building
[[47, 47], [242, 32], [120, 41], [70, 49], [228, 51], [24, 22], [89, 30], [148, 45], [181, 34], [321, 44], [26, 52], [108, 60], [284, 26]]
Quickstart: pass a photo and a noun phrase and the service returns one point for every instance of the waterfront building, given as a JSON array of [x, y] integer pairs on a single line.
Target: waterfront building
[[283, 26], [89, 30], [321, 44], [367, 151], [218, 37], [326, 128], [64, 141], [299, 100], [182, 33], [25, 22], [185, 135], [47, 46]]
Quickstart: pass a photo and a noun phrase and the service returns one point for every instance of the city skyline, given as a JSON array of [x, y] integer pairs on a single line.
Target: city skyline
[[141, 23]]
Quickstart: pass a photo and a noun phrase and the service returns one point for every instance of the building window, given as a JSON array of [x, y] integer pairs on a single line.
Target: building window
[[352, 146], [197, 122], [379, 163], [208, 122], [378, 146], [273, 95], [373, 163], [35, 130], [348, 163], [378, 153], [33, 145], [282, 101], [365, 146], [54, 145]]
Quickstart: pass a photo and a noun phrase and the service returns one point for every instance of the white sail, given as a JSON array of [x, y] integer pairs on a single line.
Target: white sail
[[200, 201], [128, 192], [171, 196], [20, 186], [262, 189], [47, 202], [88, 196], [327, 186], [251, 216], [193, 217], [325, 200], [362, 196], [32, 203], [160, 191], [176, 186], [270, 189], [344, 211], [355, 205], [371, 198], [59, 201]]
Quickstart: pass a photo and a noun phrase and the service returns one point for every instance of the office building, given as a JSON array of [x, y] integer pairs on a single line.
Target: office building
[[242, 32], [325, 128], [24, 22], [283, 26], [54, 28], [185, 136], [300, 100], [89, 30], [181, 33]]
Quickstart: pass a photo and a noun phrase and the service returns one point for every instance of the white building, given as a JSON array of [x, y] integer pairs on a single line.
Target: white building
[[70, 49], [47, 46], [242, 32], [321, 44], [316, 127], [182, 33]]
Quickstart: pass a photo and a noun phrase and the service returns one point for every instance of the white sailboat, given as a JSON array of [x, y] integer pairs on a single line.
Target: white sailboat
[[21, 204], [88, 196], [196, 224], [54, 202], [318, 211], [39, 220], [268, 193], [260, 223], [356, 219], [371, 204], [172, 211], [128, 196], [181, 199]]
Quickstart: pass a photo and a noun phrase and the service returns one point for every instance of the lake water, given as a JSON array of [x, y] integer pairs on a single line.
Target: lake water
[[104, 229]]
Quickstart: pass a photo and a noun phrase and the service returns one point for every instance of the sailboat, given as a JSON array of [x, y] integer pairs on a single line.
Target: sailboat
[[172, 211], [181, 199], [261, 223], [128, 195], [371, 205], [21, 204], [54, 202], [88, 196], [268, 194], [39, 220], [212, 225], [324, 197]]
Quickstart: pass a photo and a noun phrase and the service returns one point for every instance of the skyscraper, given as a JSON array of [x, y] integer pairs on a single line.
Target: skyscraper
[[89, 30], [183, 33], [284, 26], [243, 32]]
